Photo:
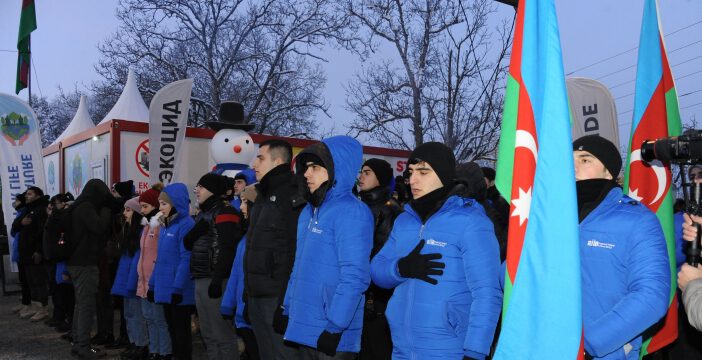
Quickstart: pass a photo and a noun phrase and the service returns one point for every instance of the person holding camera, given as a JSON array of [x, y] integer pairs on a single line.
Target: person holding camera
[[624, 263], [690, 277]]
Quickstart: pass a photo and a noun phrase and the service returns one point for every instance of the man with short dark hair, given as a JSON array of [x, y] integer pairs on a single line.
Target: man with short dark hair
[[270, 244]]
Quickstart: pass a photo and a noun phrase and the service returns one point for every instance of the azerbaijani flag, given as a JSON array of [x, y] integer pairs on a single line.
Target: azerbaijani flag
[[542, 304], [28, 23], [656, 115]]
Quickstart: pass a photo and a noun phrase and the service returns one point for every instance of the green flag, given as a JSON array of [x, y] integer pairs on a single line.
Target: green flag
[[28, 23]]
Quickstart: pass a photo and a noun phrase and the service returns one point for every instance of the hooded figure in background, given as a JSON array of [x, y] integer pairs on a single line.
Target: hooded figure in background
[[323, 307]]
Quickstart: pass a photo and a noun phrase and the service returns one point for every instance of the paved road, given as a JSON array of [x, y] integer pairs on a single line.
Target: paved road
[[23, 339]]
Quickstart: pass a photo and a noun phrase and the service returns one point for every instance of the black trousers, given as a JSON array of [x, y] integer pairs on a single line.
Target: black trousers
[[64, 301], [251, 347], [376, 343], [178, 320], [38, 282], [24, 285]]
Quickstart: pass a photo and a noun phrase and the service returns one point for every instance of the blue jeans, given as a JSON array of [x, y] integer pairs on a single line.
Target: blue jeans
[[159, 338], [136, 324]]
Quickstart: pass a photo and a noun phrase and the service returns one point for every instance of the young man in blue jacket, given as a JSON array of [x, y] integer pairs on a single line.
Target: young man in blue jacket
[[442, 259], [623, 256], [323, 306]]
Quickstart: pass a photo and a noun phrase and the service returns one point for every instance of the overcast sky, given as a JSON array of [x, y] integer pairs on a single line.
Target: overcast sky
[[64, 49]]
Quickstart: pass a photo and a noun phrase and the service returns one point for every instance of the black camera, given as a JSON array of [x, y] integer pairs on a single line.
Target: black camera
[[686, 148]]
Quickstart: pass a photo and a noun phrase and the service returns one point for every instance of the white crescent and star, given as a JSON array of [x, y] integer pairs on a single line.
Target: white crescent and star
[[661, 177], [522, 204], [524, 139]]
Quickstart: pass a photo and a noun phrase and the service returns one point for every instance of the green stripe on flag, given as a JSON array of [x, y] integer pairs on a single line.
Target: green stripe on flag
[[673, 113], [505, 151]]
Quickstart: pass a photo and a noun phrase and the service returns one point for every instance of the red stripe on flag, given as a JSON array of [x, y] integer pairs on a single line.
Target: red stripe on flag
[[667, 74], [26, 3], [669, 332], [226, 218]]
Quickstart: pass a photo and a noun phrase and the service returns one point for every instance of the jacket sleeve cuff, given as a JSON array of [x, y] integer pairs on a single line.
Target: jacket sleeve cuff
[[473, 354], [332, 328]]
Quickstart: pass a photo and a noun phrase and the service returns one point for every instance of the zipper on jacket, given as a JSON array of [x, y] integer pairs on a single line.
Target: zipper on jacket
[[408, 312]]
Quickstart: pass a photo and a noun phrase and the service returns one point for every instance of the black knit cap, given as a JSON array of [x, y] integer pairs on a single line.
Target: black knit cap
[[439, 157], [216, 184], [603, 149], [382, 170], [488, 172], [124, 188]]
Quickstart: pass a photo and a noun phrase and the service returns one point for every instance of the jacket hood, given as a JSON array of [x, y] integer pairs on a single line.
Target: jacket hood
[[347, 155], [178, 193], [95, 192]]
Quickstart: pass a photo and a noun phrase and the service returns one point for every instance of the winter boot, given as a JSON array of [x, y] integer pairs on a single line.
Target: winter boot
[[41, 314], [29, 311]]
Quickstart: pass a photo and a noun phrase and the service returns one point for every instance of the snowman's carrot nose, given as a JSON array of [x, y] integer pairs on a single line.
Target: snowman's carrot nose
[[237, 149]]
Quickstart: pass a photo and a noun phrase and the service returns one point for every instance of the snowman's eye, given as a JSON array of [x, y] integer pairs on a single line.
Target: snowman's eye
[[226, 140]]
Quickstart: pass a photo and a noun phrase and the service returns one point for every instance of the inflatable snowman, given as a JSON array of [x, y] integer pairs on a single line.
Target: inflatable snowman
[[232, 149]]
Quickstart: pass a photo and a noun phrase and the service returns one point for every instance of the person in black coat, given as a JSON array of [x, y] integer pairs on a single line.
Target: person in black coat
[[270, 244], [374, 182]]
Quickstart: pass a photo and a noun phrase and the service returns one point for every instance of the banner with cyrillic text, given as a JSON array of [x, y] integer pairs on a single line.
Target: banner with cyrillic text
[[20, 154], [168, 119]]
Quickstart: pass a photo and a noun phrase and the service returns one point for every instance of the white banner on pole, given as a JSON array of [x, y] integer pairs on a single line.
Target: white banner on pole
[[168, 119], [593, 109], [21, 164]]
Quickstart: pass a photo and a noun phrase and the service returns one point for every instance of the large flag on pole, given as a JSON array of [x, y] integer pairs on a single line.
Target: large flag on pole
[[168, 119], [656, 115], [28, 23], [542, 304]]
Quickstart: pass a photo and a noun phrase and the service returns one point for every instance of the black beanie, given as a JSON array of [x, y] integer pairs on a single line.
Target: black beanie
[[124, 189], [216, 184], [382, 170], [439, 157], [603, 149]]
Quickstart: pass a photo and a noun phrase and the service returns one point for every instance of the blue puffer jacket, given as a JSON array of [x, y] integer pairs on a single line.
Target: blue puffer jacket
[[16, 237], [133, 276], [625, 276], [331, 270], [234, 294], [172, 270], [119, 286], [457, 316]]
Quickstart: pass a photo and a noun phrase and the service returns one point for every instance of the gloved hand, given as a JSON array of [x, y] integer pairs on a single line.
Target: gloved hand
[[280, 321], [214, 291], [468, 358], [420, 266], [176, 299], [328, 342], [198, 230], [150, 296], [227, 317]]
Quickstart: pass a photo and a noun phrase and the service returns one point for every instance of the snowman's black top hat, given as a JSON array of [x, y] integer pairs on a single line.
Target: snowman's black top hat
[[231, 116]]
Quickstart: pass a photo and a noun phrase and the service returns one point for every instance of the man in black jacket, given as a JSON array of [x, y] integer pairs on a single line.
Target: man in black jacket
[[270, 244], [212, 242], [374, 183], [31, 230], [91, 217]]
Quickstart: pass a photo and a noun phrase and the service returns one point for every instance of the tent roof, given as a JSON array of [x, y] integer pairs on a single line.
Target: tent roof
[[130, 105], [81, 121]]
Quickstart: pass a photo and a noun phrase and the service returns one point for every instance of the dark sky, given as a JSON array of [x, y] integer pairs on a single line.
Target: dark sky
[[592, 33]]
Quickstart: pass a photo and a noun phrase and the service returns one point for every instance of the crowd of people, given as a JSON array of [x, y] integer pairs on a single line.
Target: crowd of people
[[333, 259]]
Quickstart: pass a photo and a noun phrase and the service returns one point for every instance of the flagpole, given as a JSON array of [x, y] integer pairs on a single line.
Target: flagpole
[[29, 70]]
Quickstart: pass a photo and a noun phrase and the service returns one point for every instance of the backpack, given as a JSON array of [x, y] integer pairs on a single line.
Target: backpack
[[57, 233]]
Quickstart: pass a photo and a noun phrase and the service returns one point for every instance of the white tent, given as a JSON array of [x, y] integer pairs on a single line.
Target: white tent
[[81, 121], [130, 105]]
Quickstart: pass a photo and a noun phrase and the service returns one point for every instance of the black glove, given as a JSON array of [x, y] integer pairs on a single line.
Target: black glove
[[328, 342], [280, 321], [214, 291], [150, 296], [176, 299], [420, 266], [227, 317], [468, 358], [198, 230]]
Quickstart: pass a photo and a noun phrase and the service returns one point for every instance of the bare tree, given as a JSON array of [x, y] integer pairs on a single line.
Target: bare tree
[[447, 86], [257, 52]]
